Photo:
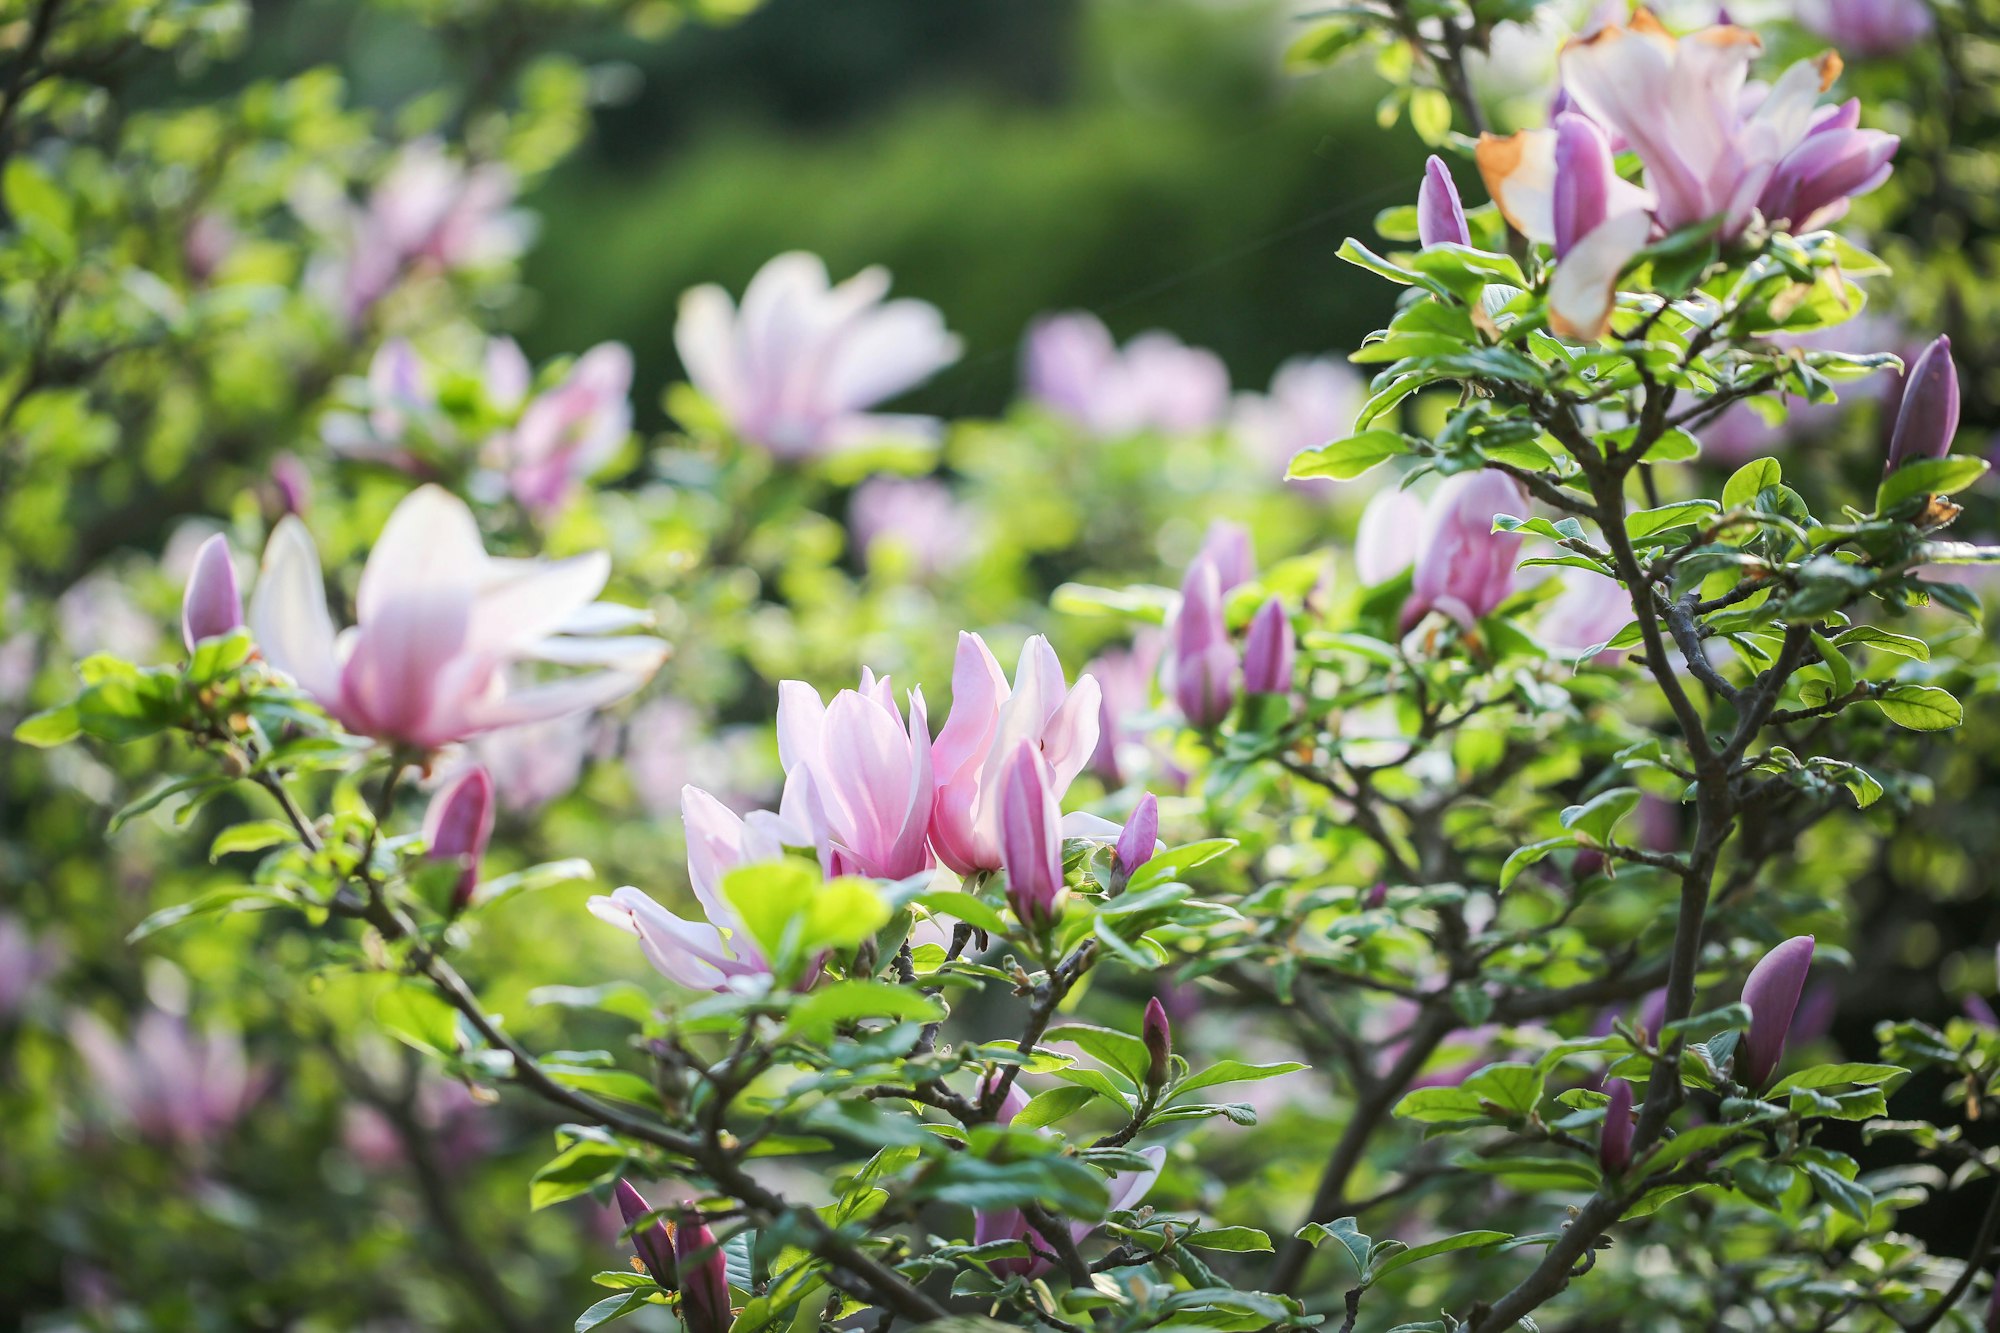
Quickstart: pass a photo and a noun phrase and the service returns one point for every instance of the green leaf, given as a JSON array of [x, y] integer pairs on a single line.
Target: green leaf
[[1838, 1075], [1237, 1240], [1921, 707], [575, 1170], [1845, 1195], [794, 917], [254, 836], [963, 906], [1646, 522], [419, 1016], [1464, 1240], [51, 726], [1046, 1108], [1594, 820], [546, 875], [1749, 481], [1235, 1071], [1126, 1054], [1348, 458], [1527, 856], [240, 898], [608, 1309], [622, 998], [829, 1006], [1929, 476], [1884, 641], [1347, 1233]]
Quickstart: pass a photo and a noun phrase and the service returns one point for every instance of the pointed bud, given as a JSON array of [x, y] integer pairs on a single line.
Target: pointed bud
[[457, 826], [1772, 993], [1140, 836], [655, 1243], [292, 483], [1204, 661], [704, 1276], [1159, 1038], [1979, 1011], [1377, 895], [1614, 1145], [1583, 179], [211, 605], [1269, 650], [1440, 215], [1928, 418], [1031, 839]]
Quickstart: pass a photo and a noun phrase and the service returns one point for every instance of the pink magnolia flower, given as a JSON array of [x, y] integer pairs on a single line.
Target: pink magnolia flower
[[538, 762], [166, 1084], [1715, 150], [457, 826], [795, 370], [1591, 610], [401, 403], [211, 605], [654, 1242], [1031, 838], [1440, 215], [1072, 366], [705, 1306], [1311, 401], [568, 432], [1269, 651], [858, 776], [25, 963], [1464, 568], [1389, 536], [1204, 663], [1125, 679], [714, 953], [1772, 994], [1868, 28], [988, 721], [427, 209], [438, 622], [916, 515]]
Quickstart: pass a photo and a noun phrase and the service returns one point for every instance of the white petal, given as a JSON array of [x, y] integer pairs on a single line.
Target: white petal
[[288, 615], [1585, 286]]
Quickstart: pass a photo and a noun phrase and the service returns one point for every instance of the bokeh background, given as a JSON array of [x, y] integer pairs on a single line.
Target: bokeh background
[[1155, 162]]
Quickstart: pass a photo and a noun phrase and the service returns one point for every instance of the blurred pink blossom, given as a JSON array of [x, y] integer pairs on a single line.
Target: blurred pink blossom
[[438, 623], [1156, 382], [796, 368], [1311, 402], [916, 515], [25, 962], [568, 431], [164, 1082]]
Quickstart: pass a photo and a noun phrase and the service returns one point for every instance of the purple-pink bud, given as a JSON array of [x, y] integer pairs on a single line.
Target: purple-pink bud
[[1139, 837], [1614, 1145], [292, 483], [1268, 653], [1979, 1011], [1583, 179], [655, 1243], [1772, 993], [1928, 418], [457, 826], [1377, 896], [211, 605], [704, 1276], [1204, 661], [1440, 215], [1031, 839], [1159, 1038]]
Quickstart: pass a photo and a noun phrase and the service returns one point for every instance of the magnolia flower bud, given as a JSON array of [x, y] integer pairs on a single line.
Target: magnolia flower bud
[[211, 606], [1440, 215], [654, 1243], [704, 1277], [1139, 837], [1583, 179], [1377, 896], [457, 826], [1928, 417], [1268, 653], [1031, 839], [1159, 1039], [1772, 993], [1204, 661], [1614, 1145]]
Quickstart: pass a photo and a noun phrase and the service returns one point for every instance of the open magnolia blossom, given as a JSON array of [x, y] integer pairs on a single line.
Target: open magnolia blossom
[[438, 624], [1072, 365], [988, 722], [1717, 149], [797, 367], [859, 776]]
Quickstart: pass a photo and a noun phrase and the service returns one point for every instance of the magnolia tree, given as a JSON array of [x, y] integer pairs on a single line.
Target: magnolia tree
[[1495, 825]]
